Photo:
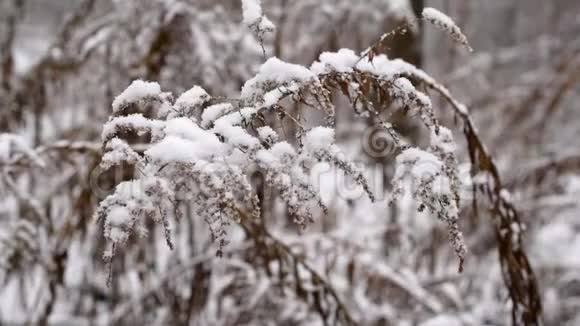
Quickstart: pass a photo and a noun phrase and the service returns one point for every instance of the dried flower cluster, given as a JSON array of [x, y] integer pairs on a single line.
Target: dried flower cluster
[[210, 162]]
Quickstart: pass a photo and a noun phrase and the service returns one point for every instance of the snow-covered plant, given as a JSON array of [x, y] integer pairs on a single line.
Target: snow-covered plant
[[209, 165], [239, 152], [210, 161], [256, 21], [446, 24], [253, 17], [434, 183]]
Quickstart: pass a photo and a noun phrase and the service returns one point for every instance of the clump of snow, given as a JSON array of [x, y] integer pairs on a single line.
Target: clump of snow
[[319, 138], [383, 67], [185, 141], [413, 99], [266, 25], [235, 135], [184, 128], [446, 24], [423, 99], [436, 15], [279, 154], [136, 122], [404, 85], [443, 140], [176, 149], [277, 72], [212, 113], [118, 216], [342, 61], [283, 149], [251, 11], [266, 158], [274, 96], [267, 134], [253, 17], [194, 97], [240, 117], [404, 90], [423, 164], [138, 90], [118, 151]]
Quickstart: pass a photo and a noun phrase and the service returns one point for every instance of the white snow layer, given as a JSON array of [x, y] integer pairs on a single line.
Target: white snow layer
[[251, 11], [342, 61], [275, 71], [194, 97], [319, 138], [138, 90], [446, 24]]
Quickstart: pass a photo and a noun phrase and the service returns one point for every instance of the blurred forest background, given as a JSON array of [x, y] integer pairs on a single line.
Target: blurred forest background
[[62, 62]]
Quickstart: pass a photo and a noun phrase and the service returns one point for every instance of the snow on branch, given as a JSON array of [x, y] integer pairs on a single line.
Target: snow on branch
[[272, 74], [138, 90], [430, 15], [256, 21], [446, 24], [253, 17], [189, 102]]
